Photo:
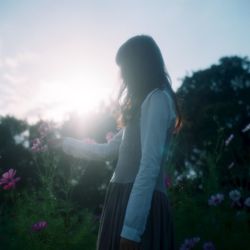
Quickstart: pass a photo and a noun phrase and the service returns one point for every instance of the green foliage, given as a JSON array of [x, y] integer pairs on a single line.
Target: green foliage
[[67, 228], [225, 225], [215, 98], [215, 104]]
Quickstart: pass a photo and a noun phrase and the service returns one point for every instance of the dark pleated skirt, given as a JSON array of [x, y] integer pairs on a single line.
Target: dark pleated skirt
[[159, 232]]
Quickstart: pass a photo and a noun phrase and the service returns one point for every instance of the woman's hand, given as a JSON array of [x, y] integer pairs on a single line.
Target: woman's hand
[[126, 244]]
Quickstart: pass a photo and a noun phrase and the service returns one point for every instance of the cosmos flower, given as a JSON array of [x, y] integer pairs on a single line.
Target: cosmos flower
[[189, 243], [38, 146], [40, 225], [234, 195], [45, 130], [8, 179], [216, 199], [208, 246]]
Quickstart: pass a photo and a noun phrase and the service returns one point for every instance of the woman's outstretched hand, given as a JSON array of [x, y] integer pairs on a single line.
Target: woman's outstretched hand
[[126, 244]]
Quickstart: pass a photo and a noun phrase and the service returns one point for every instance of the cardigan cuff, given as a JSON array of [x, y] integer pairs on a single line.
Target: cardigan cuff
[[130, 233]]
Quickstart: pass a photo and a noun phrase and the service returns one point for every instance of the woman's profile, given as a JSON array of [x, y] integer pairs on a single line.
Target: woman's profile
[[136, 212]]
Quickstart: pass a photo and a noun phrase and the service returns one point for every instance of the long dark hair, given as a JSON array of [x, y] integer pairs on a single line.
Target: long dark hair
[[142, 70]]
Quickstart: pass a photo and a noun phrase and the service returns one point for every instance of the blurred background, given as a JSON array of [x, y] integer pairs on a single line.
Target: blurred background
[[58, 73]]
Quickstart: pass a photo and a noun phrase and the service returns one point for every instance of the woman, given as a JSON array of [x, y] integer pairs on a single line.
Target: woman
[[136, 212]]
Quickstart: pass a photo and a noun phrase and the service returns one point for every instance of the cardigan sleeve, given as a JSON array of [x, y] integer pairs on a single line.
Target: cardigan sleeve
[[156, 116], [95, 151]]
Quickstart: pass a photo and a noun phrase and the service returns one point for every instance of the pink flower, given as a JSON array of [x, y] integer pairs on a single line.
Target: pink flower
[[40, 144], [36, 143], [89, 140], [8, 181], [109, 136], [37, 146], [40, 225], [167, 181], [44, 129]]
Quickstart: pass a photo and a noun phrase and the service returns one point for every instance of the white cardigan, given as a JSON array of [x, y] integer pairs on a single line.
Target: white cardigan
[[157, 116]]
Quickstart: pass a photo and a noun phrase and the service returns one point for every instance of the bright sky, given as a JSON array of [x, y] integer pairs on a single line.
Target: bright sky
[[58, 56]]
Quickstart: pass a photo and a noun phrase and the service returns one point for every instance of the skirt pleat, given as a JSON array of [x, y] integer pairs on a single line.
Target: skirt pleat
[[159, 230]]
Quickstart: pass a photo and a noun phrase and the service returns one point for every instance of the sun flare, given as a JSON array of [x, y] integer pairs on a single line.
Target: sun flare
[[78, 93]]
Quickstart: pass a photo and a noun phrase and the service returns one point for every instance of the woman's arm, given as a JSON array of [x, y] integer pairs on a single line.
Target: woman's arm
[[156, 117], [97, 151]]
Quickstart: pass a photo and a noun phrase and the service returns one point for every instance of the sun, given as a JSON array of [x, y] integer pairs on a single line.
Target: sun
[[80, 93]]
